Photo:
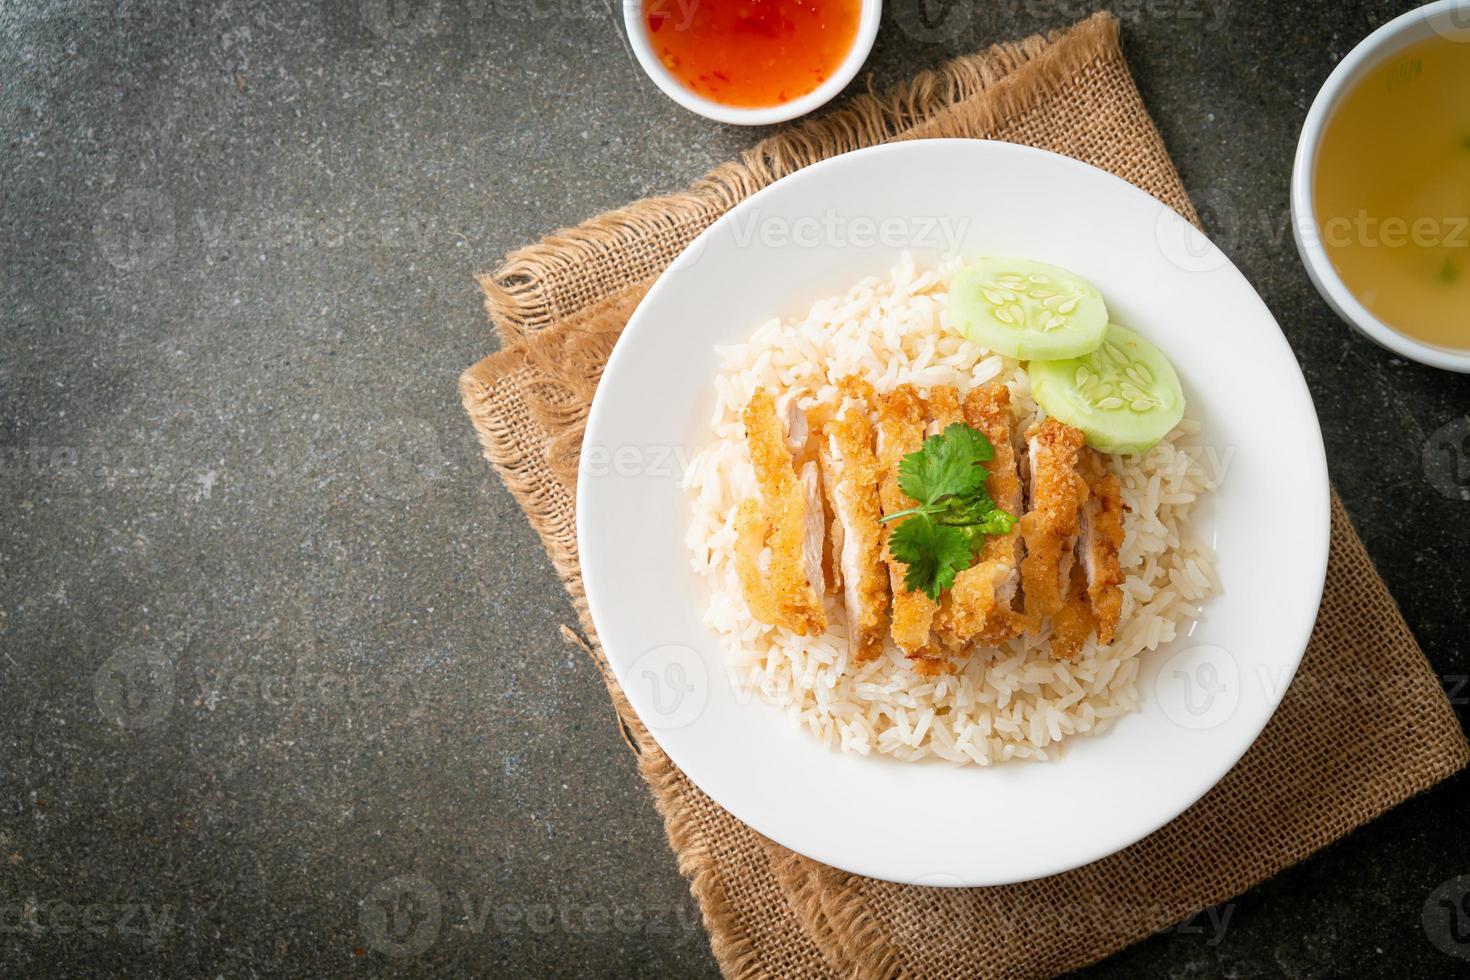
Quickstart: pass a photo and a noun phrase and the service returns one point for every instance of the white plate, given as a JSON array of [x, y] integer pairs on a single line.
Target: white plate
[[1205, 696]]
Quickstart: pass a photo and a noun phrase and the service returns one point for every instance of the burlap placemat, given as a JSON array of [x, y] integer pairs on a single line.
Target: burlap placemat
[[1365, 725]]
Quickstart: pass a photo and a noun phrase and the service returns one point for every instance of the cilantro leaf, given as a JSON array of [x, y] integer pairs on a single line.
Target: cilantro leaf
[[994, 522], [947, 465], [933, 552], [965, 510], [946, 531]]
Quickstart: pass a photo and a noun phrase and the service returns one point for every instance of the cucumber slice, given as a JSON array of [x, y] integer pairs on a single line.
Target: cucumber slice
[[1027, 310], [1124, 396]]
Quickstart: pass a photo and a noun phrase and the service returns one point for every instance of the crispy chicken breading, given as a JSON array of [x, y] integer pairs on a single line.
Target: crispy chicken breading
[[943, 405], [1074, 622], [900, 432], [784, 529], [751, 530], [990, 412], [1099, 542], [979, 605], [1049, 528], [950, 619], [850, 473]]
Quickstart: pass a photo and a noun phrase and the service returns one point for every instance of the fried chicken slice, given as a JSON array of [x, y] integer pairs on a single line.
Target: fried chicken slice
[[991, 413], [814, 531], [979, 605], [900, 432], [1050, 527], [783, 530], [1074, 622], [1099, 542], [751, 530], [943, 404], [850, 474], [944, 410]]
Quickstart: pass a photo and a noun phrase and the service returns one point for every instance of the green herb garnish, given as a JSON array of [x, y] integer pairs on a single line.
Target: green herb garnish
[[947, 530]]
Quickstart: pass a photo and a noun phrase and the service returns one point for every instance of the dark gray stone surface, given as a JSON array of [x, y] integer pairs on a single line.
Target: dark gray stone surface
[[279, 657]]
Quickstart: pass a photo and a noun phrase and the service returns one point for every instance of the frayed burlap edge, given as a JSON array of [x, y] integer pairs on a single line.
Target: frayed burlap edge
[[521, 300], [831, 906]]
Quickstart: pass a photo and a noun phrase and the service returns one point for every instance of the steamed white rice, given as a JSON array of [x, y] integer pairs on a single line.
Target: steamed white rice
[[1012, 703]]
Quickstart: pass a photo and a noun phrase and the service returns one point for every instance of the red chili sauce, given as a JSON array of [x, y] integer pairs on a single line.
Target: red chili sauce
[[751, 53]]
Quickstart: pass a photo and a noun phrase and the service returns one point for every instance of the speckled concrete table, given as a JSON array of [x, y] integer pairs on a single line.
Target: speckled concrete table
[[283, 687]]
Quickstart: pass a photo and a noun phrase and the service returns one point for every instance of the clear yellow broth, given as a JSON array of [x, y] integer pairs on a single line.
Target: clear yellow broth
[[1393, 191]]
